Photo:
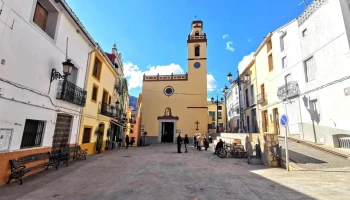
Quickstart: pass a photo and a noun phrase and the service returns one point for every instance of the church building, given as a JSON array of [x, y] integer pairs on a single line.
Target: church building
[[177, 103]]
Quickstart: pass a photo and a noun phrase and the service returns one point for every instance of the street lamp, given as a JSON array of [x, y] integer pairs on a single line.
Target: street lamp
[[238, 81], [224, 93], [217, 112], [67, 70]]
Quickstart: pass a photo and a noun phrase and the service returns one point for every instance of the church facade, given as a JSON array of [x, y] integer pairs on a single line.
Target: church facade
[[177, 103]]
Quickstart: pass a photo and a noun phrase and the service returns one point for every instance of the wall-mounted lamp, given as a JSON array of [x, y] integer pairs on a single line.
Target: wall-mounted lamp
[[67, 70]]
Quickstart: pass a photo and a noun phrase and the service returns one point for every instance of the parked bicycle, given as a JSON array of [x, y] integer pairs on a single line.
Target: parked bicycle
[[236, 151]]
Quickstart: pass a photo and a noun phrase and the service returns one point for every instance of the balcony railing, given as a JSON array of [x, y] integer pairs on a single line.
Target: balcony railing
[[68, 91], [289, 90], [250, 101], [262, 98], [107, 110]]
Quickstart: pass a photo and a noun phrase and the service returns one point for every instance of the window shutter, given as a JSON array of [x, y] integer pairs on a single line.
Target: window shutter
[[40, 16]]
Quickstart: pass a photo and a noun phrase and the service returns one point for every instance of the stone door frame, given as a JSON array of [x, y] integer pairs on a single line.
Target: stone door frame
[[160, 121]]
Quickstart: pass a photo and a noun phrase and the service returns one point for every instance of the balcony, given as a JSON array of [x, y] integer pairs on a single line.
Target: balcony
[[289, 90], [262, 98], [68, 91], [107, 110], [250, 102]]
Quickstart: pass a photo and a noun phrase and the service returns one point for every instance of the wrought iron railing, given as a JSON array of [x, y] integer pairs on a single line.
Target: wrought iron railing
[[68, 91], [289, 90], [107, 110], [262, 98]]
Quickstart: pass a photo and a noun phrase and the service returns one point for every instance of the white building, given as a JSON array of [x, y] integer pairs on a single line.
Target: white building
[[232, 109], [37, 112], [316, 60]]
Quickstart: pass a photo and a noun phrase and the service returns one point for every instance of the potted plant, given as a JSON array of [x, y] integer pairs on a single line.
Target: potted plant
[[108, 142], [99, 133]]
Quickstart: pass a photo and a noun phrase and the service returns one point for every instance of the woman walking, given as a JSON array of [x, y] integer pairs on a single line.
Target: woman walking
[[186, 141]]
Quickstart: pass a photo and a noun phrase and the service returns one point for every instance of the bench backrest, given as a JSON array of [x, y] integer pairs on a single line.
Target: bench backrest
[[21, 161]]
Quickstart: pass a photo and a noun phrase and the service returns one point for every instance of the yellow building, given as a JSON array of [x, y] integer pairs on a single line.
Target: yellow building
[[100, 103], [177, 103], [267, 87], [249, 98], [217, 116]]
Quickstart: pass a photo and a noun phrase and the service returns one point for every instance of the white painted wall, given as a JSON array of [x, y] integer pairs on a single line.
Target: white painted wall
[[30, 55], [327, 41], [231, 101]]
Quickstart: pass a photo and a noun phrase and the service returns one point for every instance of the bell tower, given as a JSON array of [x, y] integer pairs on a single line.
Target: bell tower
[[197, 57]]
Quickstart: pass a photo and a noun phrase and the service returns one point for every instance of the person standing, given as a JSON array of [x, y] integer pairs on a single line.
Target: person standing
[[195, 140], [179, 140], [186, 141], [199, 142], [127, 141]]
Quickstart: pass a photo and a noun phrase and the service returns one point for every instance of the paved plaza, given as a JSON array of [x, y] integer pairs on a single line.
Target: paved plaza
[[158, 172]]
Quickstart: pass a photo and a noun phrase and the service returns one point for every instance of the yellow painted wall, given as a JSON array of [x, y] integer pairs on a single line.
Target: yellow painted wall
[[212, 107], [190, 93], [267, 77], [90, 117]]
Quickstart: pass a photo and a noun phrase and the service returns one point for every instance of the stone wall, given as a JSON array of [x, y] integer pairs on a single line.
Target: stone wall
[[270, 140]]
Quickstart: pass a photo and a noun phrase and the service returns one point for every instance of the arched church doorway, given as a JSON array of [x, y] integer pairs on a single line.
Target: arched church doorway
[[167, 132], [167, 126]]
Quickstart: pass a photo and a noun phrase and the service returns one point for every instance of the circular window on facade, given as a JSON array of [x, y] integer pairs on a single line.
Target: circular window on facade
[[168, 90]]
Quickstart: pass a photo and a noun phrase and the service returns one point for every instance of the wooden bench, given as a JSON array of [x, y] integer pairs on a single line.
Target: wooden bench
[[72, 153], [19, 169]]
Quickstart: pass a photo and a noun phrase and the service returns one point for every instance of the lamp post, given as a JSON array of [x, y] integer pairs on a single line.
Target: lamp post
[[225, 92], [238, 81], [217, 112], [67, 70]]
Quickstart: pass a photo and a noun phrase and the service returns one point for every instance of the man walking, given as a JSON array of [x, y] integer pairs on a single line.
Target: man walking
[[195, 140], [127, 141], [186, 141], [179, 140]]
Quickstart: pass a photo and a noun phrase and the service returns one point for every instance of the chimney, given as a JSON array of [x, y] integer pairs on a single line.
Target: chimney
[[114, 50]]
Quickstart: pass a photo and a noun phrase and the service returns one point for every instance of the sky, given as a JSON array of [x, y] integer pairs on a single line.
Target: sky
[[152, 35]]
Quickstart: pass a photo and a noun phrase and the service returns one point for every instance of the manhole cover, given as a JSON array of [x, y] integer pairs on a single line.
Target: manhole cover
[[126, 156]]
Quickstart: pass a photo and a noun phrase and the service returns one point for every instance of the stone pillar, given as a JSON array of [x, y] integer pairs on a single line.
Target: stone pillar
[[270, 140]]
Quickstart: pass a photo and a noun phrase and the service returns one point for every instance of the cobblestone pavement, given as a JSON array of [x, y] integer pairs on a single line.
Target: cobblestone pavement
[[158, 172], [314, 159]]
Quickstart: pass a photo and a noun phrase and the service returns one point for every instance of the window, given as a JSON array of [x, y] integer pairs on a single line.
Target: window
[[33, 133], [196, 33], [46, 17], [247, 97], [109, 99], [221, 125], [196, 50], [284, 62], [220, 114], [310, 69], [288, 78], [304, 32], [270, 62], [219, 107], [212, 114], [283, 41], [87, 135], [213, 125], [94, 93], [269, 46], [97, 68]]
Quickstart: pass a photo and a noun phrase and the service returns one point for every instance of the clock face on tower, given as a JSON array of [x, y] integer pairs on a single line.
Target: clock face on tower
[[197, 65]]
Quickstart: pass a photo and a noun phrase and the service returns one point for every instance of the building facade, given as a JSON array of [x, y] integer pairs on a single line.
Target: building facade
[[40, 105], [218, 116], [249, 100], [177, 103], [316, 77], [232, 109]]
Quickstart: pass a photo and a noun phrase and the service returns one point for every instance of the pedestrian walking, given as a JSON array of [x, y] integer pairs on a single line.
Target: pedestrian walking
[[195, 140], [179, 140], [186, 141], [199, 142], [206, 143], [127, 141]]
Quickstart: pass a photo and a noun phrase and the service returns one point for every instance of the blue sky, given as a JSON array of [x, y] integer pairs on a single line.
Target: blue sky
[[152, 34]]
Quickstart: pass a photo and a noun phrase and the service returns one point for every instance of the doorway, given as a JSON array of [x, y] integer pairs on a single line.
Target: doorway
[[167, 132], [60, 139], [265, 121]]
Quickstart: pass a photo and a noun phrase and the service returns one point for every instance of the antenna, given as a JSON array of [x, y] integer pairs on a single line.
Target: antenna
[[303, 2]]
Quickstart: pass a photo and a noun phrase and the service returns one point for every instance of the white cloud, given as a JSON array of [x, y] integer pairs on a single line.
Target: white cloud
[[245, 62], [211, 83], [135, 75], [229, 46], [224, 36], [249, 40]]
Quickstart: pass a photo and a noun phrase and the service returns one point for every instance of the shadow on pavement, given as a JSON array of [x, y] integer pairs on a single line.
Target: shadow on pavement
[[301, 158]]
